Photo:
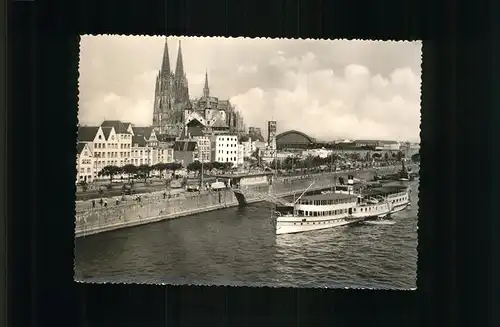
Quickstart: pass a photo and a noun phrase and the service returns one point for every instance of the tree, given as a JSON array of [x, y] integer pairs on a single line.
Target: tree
[[110, 171], [144, 171], [194, 166], [173, 166], [160, 167], [218, 165], [367, 156], [84, 185], [415, 158], [355, 156], [208, 166], [227, 166], [130, 170]]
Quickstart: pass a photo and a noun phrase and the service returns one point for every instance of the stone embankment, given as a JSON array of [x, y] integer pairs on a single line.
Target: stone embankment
[[154, 207]]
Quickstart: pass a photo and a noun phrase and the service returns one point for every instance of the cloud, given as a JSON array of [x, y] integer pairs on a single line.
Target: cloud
[[327, 89], [247, 69], [353, 104]]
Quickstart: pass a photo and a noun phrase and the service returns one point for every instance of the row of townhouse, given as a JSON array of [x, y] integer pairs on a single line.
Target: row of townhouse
[[115, 143]]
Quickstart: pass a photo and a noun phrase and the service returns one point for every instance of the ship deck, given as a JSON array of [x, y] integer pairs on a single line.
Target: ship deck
[[329, 196]]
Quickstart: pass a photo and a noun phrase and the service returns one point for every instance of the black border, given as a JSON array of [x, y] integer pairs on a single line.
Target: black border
[[3, 171], [454, 277]]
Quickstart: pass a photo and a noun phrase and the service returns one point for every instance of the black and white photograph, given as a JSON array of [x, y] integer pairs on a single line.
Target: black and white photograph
[[248, 162]]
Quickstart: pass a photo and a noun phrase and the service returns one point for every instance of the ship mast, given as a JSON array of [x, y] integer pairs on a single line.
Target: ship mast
[[331, 170]]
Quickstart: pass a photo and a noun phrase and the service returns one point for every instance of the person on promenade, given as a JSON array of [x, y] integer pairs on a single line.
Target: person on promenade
[[93, 203], [105, 202], [101, 202], [117, 201]]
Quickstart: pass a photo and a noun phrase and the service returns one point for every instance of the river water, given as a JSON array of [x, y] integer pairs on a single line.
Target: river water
[[237, 246]]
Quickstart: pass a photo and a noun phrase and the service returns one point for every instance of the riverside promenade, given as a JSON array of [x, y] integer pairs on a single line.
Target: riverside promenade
[[153, 207]]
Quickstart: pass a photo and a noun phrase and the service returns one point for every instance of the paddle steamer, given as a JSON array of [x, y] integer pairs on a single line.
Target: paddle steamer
[[327, 210]]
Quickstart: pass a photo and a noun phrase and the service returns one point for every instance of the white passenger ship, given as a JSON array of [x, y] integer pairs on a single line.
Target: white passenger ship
[[326, 210]]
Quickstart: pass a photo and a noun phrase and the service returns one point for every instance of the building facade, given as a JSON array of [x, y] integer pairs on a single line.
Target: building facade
[[119, 141], [130, 145], [85, 165], [248, 147], [102, 142], [225, 148], [240, 155], [141, 153], [294, 140], [204, 145], [162, 153]]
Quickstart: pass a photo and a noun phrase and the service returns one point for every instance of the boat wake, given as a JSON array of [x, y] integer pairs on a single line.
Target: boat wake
[[379, 222]]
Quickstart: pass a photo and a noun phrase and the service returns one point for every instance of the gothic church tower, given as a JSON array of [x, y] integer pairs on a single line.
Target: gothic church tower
[[171, 94]]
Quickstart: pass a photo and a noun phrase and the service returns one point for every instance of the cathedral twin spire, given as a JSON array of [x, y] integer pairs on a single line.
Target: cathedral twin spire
[[179, 67], [165, 66], [179, 77]]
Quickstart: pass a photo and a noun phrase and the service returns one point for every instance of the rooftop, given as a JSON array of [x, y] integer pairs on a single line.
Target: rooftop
[[79, 147], [106, 130], [139, 140], [145, 131], [87, 133], [119, 127]]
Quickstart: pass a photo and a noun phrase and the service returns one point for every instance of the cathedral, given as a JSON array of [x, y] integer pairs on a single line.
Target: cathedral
[[175, 113]]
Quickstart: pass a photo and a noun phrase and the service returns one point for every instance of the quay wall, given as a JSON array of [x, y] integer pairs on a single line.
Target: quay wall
[[153, 207]]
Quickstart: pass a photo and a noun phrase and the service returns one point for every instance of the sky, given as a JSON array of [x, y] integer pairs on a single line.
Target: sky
[[328, 89]]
